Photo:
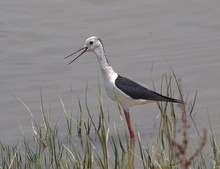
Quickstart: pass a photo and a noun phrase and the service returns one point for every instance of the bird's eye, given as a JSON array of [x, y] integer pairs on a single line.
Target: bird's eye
[[90, 42]]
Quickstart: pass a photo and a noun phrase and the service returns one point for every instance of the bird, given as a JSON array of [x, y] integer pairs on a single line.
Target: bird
[[120, 89]]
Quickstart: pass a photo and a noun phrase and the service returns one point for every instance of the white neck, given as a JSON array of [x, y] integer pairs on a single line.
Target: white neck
[[107, 70], [100, 54]]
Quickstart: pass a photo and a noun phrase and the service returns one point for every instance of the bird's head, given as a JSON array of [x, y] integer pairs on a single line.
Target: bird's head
[[91, 44]]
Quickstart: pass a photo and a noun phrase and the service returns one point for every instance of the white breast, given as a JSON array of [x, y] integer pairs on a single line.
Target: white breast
[[109, 77]]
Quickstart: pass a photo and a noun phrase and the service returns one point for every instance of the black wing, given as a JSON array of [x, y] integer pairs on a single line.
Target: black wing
[[137, 91]]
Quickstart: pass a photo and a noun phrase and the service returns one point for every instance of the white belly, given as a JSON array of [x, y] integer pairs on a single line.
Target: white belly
[[116, 94], [124, 100]]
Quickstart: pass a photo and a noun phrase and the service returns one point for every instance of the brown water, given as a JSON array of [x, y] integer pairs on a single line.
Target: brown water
[[35, 36]]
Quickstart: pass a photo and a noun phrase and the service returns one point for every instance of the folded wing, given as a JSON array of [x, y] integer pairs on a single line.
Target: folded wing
[[137, 91]]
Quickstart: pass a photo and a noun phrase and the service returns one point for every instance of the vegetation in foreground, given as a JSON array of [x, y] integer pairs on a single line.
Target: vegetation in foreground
[[93, 147]]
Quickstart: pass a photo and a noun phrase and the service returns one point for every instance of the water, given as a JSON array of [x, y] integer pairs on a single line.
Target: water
[[35, 36]]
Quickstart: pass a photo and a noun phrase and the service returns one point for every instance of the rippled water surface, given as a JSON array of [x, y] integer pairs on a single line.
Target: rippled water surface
[[141, 39]]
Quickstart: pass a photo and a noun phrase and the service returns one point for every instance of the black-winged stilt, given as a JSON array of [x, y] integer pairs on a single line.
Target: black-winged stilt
[[125, 91]]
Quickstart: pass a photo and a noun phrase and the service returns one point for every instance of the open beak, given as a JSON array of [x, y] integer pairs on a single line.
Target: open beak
[[84, 49]]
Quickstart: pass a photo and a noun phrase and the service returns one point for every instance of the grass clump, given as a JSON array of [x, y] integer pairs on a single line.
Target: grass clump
[[87, 142]]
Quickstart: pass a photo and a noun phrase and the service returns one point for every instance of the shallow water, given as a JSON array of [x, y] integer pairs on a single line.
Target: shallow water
[[138, 37]]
